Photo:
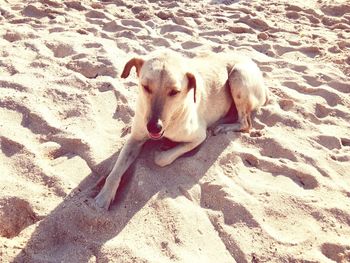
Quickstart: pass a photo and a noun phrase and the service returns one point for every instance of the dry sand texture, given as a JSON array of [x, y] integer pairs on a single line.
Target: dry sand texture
[[278, 194]]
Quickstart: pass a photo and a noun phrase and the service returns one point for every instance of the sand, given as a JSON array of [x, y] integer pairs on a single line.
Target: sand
[[277, 194]]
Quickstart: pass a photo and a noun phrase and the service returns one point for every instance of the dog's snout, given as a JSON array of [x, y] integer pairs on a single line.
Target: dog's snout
[[155, 126]]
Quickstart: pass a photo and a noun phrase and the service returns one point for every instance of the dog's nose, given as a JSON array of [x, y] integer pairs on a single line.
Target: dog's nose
[[154, 126]]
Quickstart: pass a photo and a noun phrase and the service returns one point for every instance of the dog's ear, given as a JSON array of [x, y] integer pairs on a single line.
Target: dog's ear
[[192, 84], [134, 62]]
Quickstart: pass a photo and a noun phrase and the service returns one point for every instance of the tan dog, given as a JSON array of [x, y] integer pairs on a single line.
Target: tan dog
[[179, 98]]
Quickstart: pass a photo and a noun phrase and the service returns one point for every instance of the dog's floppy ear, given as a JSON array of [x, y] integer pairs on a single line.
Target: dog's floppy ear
[[192, 84], [134, 62]]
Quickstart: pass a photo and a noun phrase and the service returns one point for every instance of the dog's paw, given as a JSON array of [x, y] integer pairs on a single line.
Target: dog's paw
[[104, 199], [161, 159], [218, 130], [232, 127]]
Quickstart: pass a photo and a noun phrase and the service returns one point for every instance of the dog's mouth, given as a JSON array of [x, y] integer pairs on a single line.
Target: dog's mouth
[[156, 136]]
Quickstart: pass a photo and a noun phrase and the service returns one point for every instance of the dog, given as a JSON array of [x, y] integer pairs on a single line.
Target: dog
[[179, 99]]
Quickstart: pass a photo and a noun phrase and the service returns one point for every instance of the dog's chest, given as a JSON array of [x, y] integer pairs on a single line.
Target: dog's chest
[[183, 130]]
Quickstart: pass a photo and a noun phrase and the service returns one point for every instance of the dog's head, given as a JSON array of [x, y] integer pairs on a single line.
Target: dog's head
[[166, 86]]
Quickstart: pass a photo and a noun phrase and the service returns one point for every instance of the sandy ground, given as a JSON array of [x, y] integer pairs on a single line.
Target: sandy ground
[[277, 194]]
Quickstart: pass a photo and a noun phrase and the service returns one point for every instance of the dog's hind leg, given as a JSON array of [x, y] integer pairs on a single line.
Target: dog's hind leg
[[240, 91], [248, 92], [244, 124]]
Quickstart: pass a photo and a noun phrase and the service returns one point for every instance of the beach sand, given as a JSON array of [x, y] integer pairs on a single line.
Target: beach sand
[[280, 193]]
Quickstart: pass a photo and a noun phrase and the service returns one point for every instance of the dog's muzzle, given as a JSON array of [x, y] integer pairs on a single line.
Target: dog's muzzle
[[155, 128]]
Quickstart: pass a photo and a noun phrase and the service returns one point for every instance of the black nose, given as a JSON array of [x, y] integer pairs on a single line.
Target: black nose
[[154, 126]]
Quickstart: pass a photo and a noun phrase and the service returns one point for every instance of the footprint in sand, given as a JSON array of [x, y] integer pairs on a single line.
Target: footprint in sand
[[32, 119], [293, 15], [15, 215], [279, 161], [185, 13], [96, 14], [265, 68], [190, 44], [10, 147], [57, 29], [116, 27], [12, 36], [336, 10], [240, 28], [219, 33], [330, 142], [169, 28], [297, 13], [124, 113], [92, 68], [165, 15], [272, 117], [304, 176], [8, 84], [321, 111], [286, 104], [265, 49], [314, 20], [131, 23], [75, 5], [215, 198], [340, 157], [275, 149], [255, 23], [33, 11], [22, 21], [336, 252], [159, 41], [60, 50], [340, 86], [312, 80], [345, 142], [185, 21], [51, 3], [329, 21], [331, 98], [93, 45], [310, 51], [281, 50], [73, 104]]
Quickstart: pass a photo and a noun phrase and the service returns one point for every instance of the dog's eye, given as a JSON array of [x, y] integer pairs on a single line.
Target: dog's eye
[[147, 89], [173, 92]]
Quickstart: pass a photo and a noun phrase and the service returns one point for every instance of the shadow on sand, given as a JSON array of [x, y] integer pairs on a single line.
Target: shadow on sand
[[76, 229]]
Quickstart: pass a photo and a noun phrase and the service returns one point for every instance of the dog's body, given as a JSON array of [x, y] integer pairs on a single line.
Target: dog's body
[[179, 98]]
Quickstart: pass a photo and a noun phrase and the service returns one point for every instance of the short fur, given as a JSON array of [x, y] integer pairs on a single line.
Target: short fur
[[186, 96]]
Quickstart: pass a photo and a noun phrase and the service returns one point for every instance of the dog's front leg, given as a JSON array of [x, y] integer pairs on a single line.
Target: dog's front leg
[[164, 158], [127, 155]]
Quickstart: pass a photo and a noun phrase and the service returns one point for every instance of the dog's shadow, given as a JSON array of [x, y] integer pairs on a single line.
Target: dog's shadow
[[76, 229]]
